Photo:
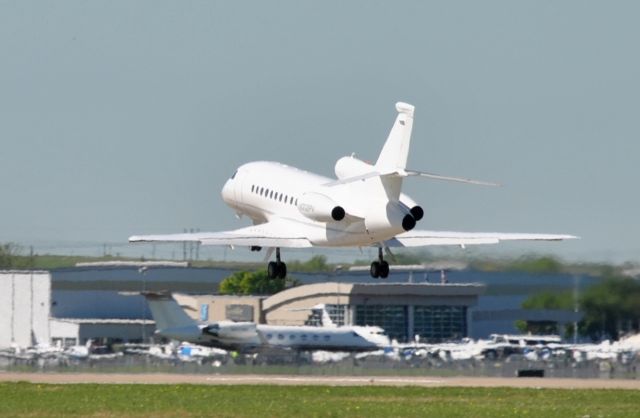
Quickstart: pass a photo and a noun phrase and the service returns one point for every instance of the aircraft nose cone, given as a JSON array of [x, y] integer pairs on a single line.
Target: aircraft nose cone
[[227, 191]]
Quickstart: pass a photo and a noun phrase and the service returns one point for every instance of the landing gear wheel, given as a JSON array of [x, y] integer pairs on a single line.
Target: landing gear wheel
[[282, 270], [277, 269], [379, 268], [272, 270], [384, 269], [375, 269]]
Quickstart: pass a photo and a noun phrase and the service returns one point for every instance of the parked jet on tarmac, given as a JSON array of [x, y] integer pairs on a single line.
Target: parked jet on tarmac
[[173, 322], [365, 206]]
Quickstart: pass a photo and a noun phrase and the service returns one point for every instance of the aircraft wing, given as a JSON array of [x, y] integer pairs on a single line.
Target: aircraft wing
[[269, 234], [420, 238]]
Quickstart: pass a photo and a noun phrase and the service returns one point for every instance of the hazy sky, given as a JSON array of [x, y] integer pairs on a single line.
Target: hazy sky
[[128, 117]]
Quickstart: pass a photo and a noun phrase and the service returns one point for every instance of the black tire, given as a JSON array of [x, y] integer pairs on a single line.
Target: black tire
[[375, 270], [272, 270], [282, 270], [384, 270]]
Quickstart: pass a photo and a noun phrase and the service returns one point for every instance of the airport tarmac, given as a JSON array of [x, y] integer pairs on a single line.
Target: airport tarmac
[[217, 379]]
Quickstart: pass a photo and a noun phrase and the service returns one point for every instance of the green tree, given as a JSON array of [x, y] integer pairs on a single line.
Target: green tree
[[9, 254], [549, 300], [254, 283], [545, 300], [611, 308], [317, 263], [536, 265]]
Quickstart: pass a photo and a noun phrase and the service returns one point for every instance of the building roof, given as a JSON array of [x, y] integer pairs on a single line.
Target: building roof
[[371, 289], [114, 321]]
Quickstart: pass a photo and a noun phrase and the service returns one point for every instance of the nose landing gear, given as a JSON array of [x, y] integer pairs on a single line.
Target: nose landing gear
[[379, 268], [277, 269]]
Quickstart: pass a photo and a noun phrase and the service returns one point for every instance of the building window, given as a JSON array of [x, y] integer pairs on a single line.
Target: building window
[[391, 318], [440, 323], [337, 313]]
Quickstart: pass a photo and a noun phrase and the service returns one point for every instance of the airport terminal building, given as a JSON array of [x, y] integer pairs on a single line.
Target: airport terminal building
[[103, 303], [434, 312]]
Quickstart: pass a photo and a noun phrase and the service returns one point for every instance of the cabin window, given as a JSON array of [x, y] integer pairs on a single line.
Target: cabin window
[[327, 337], [271, 194], [261, 191], [280, 198], [292, 337], [280, 337], [234, 175], [296, 202], [269, 336], [303, 337], [252, 187], [315, 338]]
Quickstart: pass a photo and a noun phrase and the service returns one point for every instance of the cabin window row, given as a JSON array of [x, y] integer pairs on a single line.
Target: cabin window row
[[271, 194], [303, 337]]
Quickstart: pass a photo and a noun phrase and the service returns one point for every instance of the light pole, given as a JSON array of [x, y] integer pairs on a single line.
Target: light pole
[[143, 273]]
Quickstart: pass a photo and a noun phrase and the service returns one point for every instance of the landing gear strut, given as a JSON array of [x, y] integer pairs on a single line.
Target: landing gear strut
[[379, 268], [277, 269]]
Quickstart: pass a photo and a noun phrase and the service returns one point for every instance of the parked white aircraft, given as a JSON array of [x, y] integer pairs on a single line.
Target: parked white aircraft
[[365, 206], [173, 322]]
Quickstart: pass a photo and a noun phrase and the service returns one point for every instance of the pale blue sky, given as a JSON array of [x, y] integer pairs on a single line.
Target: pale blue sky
[[127, 117]]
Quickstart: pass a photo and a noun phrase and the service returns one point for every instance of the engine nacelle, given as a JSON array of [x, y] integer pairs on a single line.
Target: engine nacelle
[[319, 207], [415, 209], [351, 167], [393, 216]]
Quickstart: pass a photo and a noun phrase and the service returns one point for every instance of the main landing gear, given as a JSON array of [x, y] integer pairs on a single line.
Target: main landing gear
[[277, 269], [379, 268]]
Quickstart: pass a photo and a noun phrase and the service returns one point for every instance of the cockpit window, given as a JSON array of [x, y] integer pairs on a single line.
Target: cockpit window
[[234, 175]]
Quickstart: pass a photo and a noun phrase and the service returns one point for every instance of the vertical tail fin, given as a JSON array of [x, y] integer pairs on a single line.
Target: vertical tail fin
[[395, 151], [166, 311]]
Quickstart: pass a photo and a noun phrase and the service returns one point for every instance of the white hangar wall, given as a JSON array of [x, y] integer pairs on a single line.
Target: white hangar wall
[[25, 302]]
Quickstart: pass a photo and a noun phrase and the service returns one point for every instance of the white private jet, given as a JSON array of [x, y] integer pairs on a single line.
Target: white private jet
[[173, 322], [364, 206]]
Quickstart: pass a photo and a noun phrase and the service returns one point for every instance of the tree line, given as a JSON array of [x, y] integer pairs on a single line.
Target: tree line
[[610, 308]]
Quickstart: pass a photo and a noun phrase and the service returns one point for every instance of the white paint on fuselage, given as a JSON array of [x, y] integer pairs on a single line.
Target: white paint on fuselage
[[321, 338], [268, 191]]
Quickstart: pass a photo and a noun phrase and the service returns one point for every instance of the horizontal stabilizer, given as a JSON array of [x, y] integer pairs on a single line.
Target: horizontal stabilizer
[[409, 173], [448, 178]]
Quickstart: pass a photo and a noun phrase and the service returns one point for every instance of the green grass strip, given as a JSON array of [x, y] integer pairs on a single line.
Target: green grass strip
[[93, 400]]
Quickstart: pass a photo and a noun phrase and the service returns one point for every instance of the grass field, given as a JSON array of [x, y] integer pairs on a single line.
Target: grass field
[[93, 400]]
